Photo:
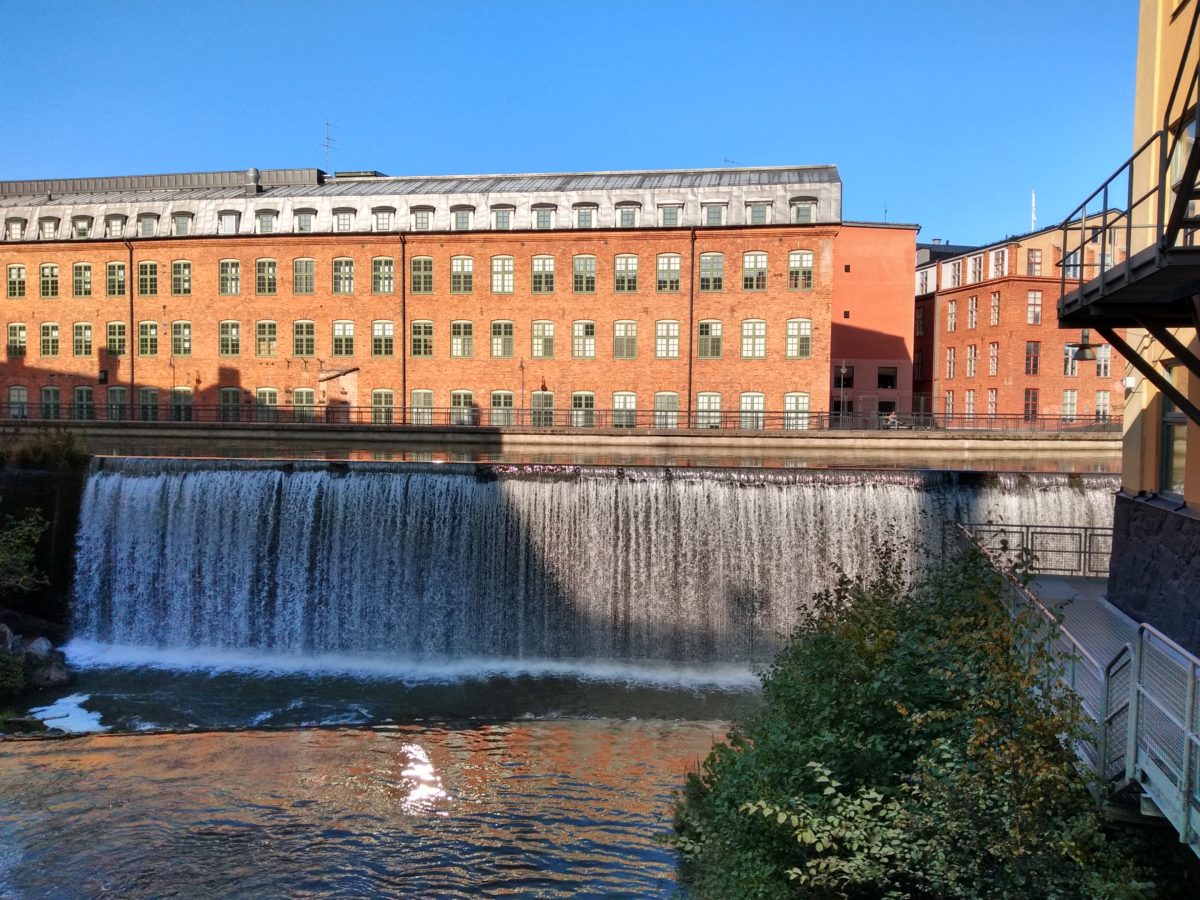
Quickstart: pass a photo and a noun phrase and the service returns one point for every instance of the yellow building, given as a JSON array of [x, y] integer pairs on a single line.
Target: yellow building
[[1148, 282]]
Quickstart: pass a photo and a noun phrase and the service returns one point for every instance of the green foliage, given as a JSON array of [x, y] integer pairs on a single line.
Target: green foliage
[[12, 674], [56, 449], [912, 743], [18, 541]]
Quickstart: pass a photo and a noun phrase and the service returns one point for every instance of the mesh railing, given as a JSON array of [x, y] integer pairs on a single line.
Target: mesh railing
[[1047, 549]]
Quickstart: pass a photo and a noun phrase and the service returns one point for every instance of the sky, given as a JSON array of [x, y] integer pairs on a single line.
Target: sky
[[945, 114]]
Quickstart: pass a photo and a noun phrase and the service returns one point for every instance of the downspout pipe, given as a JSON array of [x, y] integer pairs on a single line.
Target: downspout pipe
[[403, 275], [131, 333], [691, 324]]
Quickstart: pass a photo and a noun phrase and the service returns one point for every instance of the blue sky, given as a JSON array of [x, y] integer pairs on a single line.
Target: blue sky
[[943, 113]]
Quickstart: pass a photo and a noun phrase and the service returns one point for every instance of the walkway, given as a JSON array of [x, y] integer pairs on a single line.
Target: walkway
[[1102, 628]]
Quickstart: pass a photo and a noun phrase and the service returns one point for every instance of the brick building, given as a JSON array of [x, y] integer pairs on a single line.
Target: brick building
[[987, 342], [652, 298]]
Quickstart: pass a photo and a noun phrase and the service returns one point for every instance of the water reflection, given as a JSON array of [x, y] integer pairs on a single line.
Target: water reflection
[[566, 808]]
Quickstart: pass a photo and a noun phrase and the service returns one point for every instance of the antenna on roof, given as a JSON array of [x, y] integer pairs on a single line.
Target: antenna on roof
[[730, 162], [328, 143], [1033, 210]]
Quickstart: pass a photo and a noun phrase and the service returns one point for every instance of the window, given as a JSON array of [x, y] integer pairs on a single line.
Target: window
[[1069, 404], [951, 315], [117, 402], [229, 404], [666, 409], [115, 279], [114, 227], [543, 274], [181, 404], [1103, 407], [1033, 357], [227, 222], [502, 340], [627, 216], [230, 276], [583, 340], [754, 272], [919, 321], [1033, 262], [229, 338], [422, 275], [994, 358], [886, 378], [708, 345], [304, 402], [81, 226], [1173, 439], [16, 281], [1031, 404], [502, 409], [81, 339], [923, 281], [266, 278], [81, 278], [383, 404], [1033, 308], [542, 413], [462, 274], [460, 219], [462, 408], [384, 219], [948, 408], [264, 222], [543, 340], [669, 216], [147, 338], [181, 338], [976, 269], [625, 274], [502, 274], [713, 213], [148, 404], [266, 338], [950, 362], [49, 339], [795, 411], [422, 219], [1103, 361], [804, 212], [800, 270], [999, 264], [383, 275], [18, 402], [1070, 362], [667, 272], [383, 338], [995, 314], [266, 405], [116, 338], [343, 220], [421, 334], [972, 312], [343, 338], [712, 271], [304, 338], [14, 229], [992, 401], [181, 278], [421, 406], [181, 224], [972, 359], [304, 221], [625, 340], [343, 276], [918, 365], [502, 219], [798, 340], [750, 409], [304, 276], [49, 285], [583, 274], [624, 409], [51, 408], [543, 217], [754, 339], [583, 409], [969, 402], [666, 339], [462, 339], [758, 213], [585, 217], [844, 377], [708, 410], [16, 340]]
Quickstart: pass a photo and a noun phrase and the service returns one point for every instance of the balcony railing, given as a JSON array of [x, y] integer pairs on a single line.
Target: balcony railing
[[474, 417], [1048, 549]]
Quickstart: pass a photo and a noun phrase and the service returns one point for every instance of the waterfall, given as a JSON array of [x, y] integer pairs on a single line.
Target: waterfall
[[444, 562]]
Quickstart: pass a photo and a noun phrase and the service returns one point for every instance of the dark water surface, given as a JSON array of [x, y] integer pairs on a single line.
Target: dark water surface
[[520, 808]]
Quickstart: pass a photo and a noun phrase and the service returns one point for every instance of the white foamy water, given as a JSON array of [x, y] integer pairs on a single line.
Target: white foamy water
[[68, 714]]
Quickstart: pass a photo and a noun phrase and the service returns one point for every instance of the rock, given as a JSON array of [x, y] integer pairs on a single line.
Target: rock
[[6, 638], [50, 671], [24, 725], [39, 648]]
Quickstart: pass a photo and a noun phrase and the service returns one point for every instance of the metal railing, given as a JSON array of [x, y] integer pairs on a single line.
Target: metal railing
[[475, 417], [1143, 706], [1049, 549]]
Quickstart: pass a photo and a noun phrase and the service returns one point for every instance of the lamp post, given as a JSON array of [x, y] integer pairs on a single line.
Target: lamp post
[[842, 394]]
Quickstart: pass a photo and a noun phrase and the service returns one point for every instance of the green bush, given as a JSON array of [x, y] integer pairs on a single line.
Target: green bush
[[908, 746], [12, 674], [57, 449], [18, 543]]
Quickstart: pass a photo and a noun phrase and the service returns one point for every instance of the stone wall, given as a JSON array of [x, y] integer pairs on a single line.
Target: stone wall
[[1155, 570]]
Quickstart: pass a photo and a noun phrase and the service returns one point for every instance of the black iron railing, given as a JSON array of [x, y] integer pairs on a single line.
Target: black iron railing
[[1048, 549]]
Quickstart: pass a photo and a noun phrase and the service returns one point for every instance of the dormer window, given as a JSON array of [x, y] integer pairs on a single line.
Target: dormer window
[[543, 216], [586, 215], [460, 217], [181, 224], [670, 216], [804, 210], [422, 218], [627, 215], [502, 217], [758, 213], [48, 229], [304, 220], [343, 219], [228, 221], [81, 226], [114, 227], [264, 221], [147, 226], [385, 218], [713, 213], [14, 229]]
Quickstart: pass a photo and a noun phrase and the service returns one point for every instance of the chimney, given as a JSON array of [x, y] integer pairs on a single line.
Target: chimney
[[252, 186], [937, 242]]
